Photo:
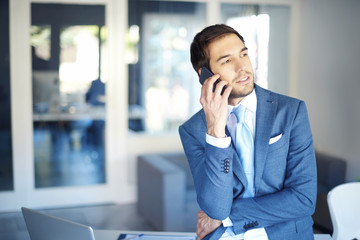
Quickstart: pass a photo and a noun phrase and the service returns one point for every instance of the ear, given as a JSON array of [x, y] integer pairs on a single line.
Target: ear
[[199, 71]]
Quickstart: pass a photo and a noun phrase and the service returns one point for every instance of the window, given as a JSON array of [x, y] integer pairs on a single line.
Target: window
[[163, 88], [68, 94], [265, 29], [254, 27], [162, 82]]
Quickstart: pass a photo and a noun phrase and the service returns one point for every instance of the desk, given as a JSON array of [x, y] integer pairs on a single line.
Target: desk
[[93, 113], [114, 234]]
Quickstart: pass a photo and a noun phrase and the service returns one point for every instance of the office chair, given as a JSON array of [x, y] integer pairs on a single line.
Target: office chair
[[344, 206]]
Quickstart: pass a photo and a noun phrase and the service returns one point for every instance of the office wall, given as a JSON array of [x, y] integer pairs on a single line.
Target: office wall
[[279, 49], [329, 79]]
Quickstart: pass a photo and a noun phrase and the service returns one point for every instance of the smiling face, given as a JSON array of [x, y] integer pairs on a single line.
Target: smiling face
[[228, 57]]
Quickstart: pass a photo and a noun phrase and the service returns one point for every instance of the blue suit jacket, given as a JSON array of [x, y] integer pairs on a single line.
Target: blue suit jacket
[[285, 171]]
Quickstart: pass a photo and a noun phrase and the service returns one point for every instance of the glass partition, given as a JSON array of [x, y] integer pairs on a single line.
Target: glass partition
[[68, 44], [254, 26], [163, 88], [265, 29], [162, 82]]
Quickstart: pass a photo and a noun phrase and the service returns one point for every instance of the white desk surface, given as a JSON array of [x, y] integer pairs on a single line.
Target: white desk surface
[[114, 234]]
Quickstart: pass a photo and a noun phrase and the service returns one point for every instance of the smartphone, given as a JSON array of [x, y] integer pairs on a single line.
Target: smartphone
[[205, 74]]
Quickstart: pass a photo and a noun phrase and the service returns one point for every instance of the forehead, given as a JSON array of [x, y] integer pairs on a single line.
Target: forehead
[[225, 45]]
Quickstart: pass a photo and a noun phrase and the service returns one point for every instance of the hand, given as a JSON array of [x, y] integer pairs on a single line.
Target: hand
[[215, 105], [205, 225]]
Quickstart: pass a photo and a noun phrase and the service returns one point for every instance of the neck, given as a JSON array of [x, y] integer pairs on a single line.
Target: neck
[[234, 101]]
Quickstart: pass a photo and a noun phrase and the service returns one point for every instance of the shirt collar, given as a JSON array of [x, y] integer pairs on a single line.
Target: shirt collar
[[250, 102]]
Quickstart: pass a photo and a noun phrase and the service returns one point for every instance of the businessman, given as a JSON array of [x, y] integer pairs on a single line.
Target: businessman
[[250, 150]]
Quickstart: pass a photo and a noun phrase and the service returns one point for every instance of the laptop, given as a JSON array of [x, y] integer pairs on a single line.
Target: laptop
[[45, 227]]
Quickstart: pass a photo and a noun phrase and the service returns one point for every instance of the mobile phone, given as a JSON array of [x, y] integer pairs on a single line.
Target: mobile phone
[[205, 74]]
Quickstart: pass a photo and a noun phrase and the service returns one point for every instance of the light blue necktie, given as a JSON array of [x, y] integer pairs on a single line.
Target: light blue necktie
[[245, 147]]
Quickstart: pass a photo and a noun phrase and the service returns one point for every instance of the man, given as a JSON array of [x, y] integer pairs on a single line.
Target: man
[[269, 193]]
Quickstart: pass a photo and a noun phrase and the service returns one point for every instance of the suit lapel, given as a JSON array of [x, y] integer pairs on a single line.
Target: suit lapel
[[265, 116]]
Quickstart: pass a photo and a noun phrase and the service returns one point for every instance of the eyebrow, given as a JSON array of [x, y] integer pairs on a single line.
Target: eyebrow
[[227, 55]]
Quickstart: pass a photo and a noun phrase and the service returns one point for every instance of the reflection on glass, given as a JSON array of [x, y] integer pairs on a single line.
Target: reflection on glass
[[6, 163], [253, 24], [79, 58], [163, 87], [68, 95], [166, 62], [40, 42]]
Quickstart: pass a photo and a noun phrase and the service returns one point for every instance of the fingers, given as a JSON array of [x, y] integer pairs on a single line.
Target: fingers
[[227, 91], [215, 105], [205, 225], [208, 85], [209, 93], [219, 87], [200, 228], [200, 235], [207, 88]]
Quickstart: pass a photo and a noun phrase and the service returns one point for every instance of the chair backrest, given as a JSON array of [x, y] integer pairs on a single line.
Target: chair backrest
[[344, 206]]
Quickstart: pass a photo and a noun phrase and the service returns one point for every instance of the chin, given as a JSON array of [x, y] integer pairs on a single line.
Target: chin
[[241, 93]]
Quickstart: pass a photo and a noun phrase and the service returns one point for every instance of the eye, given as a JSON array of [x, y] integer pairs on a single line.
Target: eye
[[244, 54], [226, 61]]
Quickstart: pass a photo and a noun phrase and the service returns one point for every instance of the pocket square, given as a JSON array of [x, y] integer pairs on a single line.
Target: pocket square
[[275, 139]]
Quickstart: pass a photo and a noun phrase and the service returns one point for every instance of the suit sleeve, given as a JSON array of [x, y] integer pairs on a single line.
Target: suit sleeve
[[297, 197], [214, 185]]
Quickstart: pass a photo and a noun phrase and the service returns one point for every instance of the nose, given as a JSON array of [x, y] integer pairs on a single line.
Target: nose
[[240, 65]]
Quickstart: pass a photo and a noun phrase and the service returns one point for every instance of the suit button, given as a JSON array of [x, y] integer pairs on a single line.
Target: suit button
[[226, 166]]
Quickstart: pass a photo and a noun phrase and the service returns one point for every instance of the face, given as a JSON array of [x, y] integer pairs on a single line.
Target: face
[[229, 58]]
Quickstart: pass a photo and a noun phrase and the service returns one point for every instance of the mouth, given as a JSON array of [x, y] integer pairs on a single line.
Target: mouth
[[243, 80]]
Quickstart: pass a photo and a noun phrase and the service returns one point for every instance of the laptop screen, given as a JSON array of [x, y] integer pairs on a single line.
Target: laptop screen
[[44, 227]]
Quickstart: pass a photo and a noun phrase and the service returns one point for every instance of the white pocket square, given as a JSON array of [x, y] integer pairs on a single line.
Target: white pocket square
[[275, 139]]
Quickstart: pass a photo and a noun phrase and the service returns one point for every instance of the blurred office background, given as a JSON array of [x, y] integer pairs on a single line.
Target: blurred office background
[[86, 86]]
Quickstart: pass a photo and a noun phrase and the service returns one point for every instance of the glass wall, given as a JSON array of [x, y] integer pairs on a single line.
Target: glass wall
[[68, 43], [163, 88], [6, 163], [162, 82], [265, 29], [253, 25]]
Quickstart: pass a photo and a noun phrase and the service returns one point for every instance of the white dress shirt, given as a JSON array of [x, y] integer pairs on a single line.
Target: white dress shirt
[[250, 103]]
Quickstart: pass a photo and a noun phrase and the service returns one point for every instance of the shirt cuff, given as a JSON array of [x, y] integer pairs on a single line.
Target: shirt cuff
[[227, 222], [218, 142]]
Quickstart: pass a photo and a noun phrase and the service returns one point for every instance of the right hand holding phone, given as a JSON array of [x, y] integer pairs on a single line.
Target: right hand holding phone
[[215, 105]]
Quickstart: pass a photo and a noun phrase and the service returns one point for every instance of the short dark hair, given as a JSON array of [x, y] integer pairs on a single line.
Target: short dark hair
[[199, 47]]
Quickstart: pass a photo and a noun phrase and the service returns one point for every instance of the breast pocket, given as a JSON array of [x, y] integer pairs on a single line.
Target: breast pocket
[[277, 141]]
